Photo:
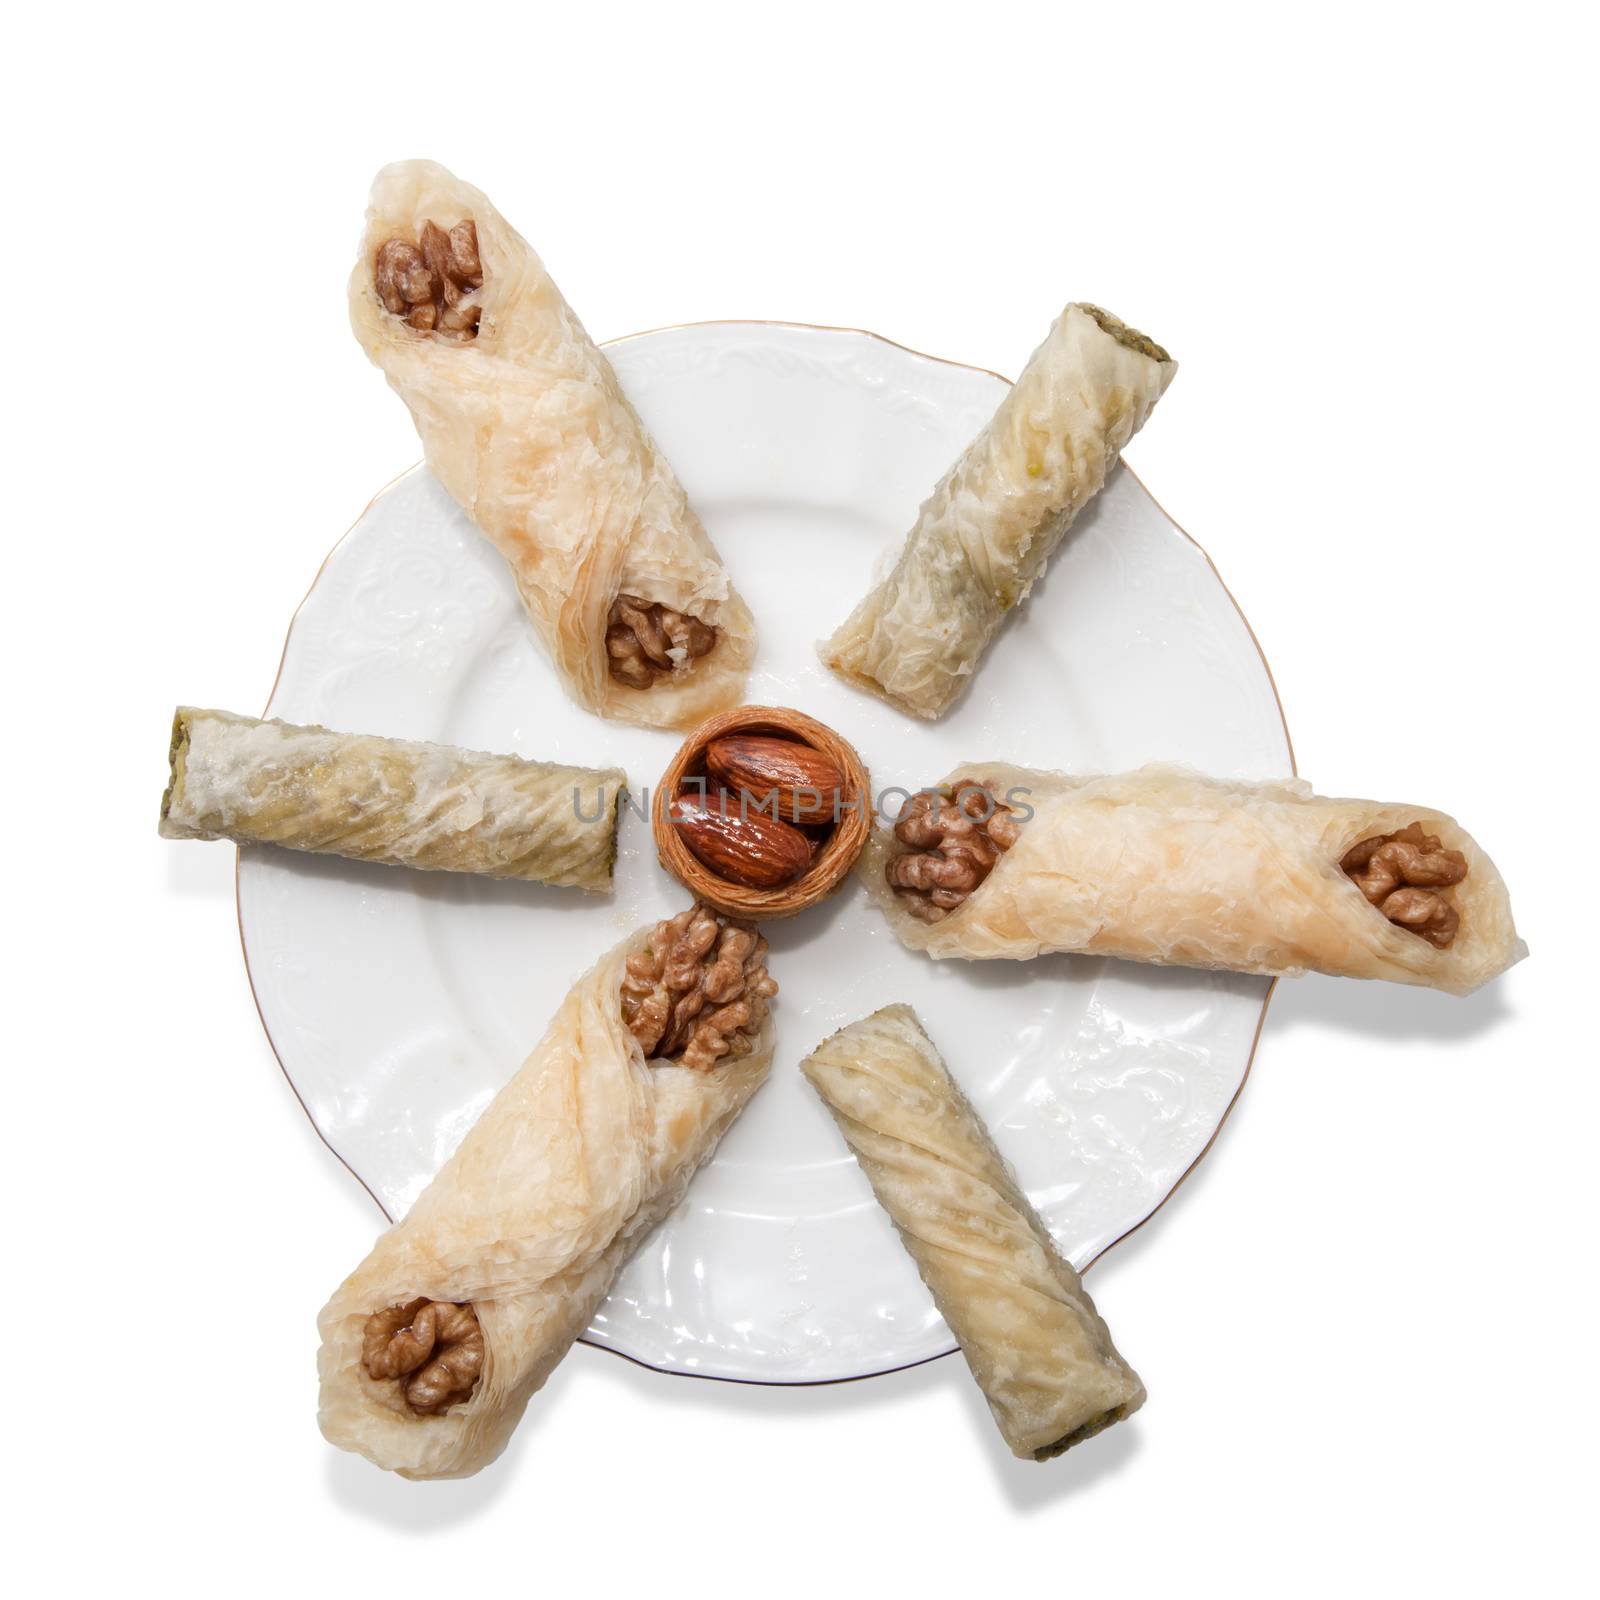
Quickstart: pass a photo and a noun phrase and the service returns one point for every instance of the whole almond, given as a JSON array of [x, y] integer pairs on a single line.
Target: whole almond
[[739, 844], [803, 784]]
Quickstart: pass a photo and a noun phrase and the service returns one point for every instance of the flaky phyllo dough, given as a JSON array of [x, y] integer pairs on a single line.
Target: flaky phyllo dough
[[1167, 866], [525, 424], [993, 521], [1038, 1348], [584, 1151], [404, 803]]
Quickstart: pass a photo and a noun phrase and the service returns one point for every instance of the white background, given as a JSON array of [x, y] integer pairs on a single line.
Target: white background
[[1366, 1323]]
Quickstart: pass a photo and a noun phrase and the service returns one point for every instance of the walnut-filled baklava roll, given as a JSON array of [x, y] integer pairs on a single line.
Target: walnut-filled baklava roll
[[433, 1346], [523, 421], [1030, 1332], [391, 800], [989, 527], [1165, 865]]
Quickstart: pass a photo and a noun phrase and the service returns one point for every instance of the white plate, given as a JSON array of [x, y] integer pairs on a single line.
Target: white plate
[[398, 1002]]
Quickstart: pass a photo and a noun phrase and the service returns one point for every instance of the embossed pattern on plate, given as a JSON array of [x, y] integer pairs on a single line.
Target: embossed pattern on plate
[[398, 1002]]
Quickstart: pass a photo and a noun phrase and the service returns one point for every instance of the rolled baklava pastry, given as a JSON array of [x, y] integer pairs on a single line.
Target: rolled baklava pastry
[[992, 523], [433, 1346], [1167, 866], [523, 421], [1030, 1332], [396, 801]]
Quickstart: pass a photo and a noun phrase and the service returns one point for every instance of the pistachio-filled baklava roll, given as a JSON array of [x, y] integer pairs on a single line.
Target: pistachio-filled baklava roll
[[1167, 866], [985, 533], [433, 1346], [1030, 1332], [391, 800], [523, 421]]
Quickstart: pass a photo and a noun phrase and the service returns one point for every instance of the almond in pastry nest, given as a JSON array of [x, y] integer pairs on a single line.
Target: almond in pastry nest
[[762, 812]]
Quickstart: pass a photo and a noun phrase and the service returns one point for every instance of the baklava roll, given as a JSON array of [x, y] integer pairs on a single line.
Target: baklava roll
[[989, 527], [433, 1346], [391, 800], [1039, 1350], [1167, 866], [523, 421]]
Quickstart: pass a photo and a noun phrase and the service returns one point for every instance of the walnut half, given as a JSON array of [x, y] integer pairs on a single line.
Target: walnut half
[[433, 1346], [431, 283], [698, 991], [646, 640], [953, 841], [1400, 873]]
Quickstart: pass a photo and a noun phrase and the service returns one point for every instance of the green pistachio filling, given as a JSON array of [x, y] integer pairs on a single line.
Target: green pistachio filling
[[1128, 338]]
